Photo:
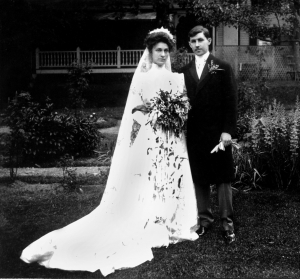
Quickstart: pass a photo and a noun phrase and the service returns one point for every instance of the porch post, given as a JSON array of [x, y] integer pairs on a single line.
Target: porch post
[[37, 59], [214, 41], [118, 57]]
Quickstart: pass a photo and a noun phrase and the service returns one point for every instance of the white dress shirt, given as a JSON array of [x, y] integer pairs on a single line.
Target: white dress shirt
[[200, 62]]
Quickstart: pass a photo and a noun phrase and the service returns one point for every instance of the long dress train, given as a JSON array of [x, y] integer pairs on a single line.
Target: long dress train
[[149, 200]]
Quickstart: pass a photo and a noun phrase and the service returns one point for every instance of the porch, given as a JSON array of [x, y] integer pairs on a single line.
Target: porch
[[248, 62]]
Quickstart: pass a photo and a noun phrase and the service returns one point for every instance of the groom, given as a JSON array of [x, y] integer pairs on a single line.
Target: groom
[[211, 88]]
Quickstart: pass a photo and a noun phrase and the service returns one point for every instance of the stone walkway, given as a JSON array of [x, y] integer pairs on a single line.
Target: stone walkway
[[52, 172], [57, 172], [112, 130]]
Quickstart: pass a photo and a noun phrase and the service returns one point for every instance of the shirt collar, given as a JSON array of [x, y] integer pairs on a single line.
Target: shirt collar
[[202, 59]]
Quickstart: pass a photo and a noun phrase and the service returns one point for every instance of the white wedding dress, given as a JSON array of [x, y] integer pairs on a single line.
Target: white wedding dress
[[149, 200]]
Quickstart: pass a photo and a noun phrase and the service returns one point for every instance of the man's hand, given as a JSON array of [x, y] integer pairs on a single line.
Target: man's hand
[[226, 139]]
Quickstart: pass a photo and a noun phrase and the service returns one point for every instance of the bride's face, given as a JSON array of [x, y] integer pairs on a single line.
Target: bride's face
[[160, 53]]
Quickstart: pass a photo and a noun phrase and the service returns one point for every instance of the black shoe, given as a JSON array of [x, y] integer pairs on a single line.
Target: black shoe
[[202, 231], [229, 237]]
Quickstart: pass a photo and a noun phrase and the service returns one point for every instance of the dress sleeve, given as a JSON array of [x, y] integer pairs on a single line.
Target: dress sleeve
[[181, 84], [137, 115]]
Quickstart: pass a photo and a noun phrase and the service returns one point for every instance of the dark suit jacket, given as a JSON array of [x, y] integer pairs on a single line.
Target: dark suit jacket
[[213, 100]]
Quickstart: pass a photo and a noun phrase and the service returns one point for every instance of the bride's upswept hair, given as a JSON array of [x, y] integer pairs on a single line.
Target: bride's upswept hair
[[158, 37]]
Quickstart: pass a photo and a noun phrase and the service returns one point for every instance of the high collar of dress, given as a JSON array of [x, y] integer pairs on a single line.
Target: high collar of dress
[[202, 59], [155, 67]]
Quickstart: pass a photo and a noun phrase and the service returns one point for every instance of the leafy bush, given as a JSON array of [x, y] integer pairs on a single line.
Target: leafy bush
[[250, 100], [70, 181], [270, 151], [179, 59], [47, 134], [77, 84]]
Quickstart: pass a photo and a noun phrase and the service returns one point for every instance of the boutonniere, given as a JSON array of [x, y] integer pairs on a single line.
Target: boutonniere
[[213, 68]]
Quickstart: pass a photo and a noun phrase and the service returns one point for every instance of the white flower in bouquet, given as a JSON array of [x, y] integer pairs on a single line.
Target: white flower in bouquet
[[169, 111]]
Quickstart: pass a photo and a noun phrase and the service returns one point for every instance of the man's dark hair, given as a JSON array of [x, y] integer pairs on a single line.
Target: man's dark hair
[[199, 29], [158, 37]]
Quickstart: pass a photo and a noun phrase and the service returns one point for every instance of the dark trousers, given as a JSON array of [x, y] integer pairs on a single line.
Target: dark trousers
[[225, 205]]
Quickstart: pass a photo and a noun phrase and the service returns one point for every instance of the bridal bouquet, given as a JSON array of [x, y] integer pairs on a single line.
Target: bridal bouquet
[[169, 111]]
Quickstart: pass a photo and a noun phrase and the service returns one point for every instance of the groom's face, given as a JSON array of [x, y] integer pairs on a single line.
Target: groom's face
[[199, 44]]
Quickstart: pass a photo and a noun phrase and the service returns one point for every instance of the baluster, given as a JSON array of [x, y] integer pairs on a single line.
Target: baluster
[[133, 57], [41, 59]]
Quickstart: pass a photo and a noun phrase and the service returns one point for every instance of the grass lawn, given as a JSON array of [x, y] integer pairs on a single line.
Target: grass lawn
[[267, 226]]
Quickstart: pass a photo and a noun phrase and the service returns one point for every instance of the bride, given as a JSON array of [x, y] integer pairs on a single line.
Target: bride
[[149, 200]]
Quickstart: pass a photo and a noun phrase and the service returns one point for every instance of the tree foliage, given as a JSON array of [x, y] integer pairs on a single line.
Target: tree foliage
[[269, 20]]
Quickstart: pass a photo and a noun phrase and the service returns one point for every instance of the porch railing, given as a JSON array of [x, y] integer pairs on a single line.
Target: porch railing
[[271, 62], [100, 60]]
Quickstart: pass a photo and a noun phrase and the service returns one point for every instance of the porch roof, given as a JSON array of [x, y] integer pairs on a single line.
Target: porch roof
[[127, 16]]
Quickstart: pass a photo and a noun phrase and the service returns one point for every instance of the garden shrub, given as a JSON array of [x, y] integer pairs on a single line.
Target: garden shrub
[[179, 59], [270, 150], [250, 99], [49, 135], [77, 84]]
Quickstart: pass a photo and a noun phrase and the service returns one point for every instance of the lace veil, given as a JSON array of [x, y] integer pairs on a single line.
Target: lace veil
[[122, 155]]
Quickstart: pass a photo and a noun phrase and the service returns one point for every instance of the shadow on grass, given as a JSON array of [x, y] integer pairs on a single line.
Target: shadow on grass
[[267, 226]]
